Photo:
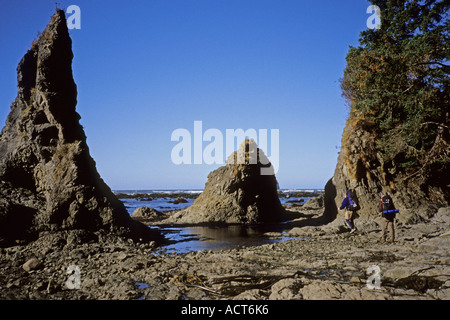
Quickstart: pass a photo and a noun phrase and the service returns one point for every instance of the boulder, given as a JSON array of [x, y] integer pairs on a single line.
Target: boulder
[[323, 290], [244, 191], [286, 289], [32, 264], [146, 212], [179, 200], [48, 180], [314, 203]]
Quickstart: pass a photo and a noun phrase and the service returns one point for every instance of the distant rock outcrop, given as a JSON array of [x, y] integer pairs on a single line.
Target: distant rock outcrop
[[147, 214], [48, 180], [237, 192]]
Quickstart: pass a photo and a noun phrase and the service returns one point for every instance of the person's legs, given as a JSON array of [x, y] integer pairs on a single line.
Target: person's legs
[[384, 223], [348, 218], [391, 230], [353, 225]]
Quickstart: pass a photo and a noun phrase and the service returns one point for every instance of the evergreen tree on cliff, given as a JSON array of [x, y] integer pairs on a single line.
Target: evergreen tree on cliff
[[396, 83]]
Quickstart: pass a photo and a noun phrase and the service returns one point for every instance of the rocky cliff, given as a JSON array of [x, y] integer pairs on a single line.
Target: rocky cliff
[[48, 180], [361, 168], [237, 192], [396, 138]]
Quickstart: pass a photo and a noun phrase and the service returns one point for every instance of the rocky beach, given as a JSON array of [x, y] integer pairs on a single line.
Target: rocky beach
[[317, 262], [65, 235]]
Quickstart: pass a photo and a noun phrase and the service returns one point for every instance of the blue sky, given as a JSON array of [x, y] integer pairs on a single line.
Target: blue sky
[[146, 68]]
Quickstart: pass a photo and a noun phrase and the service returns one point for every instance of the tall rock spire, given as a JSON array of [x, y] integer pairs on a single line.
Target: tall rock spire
[[48, 180]]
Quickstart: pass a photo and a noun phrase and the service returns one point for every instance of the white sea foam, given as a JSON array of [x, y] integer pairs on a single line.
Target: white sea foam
[[198, 191]]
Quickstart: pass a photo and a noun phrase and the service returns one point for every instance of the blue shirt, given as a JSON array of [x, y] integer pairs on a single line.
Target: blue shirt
[[345, 204]]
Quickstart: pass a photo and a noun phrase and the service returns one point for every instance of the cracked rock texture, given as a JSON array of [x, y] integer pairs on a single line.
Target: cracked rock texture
[[243, 191], [48, 180]]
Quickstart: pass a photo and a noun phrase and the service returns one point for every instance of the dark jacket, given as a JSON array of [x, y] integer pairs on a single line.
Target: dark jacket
[[386, 204]]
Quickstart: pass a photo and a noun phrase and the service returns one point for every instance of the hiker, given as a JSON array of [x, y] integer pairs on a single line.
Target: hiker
[[388, 211], [350, 207]]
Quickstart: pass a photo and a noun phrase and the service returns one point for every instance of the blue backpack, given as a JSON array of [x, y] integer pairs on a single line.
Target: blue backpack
[[387, 207]]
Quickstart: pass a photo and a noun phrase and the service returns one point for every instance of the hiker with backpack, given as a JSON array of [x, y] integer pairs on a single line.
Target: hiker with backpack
[[350, 207], [388, 211]]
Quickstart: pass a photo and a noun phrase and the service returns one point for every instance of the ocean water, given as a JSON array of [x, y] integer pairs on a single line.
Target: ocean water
[[196, 238], [216, 237], [162, 200]]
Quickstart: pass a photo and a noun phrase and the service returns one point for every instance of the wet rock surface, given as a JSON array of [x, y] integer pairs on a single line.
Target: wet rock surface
[[318, 262]]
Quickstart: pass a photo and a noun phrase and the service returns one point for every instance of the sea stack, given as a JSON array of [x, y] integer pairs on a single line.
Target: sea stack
[[244, 191], [48, 180]]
